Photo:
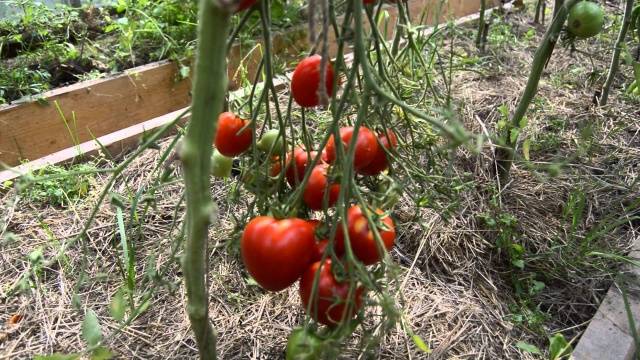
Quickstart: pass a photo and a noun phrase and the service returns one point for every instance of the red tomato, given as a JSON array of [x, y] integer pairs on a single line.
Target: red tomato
[[276, 166], [367, 2], [363, 242], [329, 305], [317, 186], [230, 141], [366, 146], [245, 4], [295, 175], [306, 80], [277, 252], [321, 245], [380, 161]]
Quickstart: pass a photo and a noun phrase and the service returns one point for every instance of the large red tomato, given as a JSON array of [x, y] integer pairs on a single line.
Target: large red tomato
[[230, 141], [363, 242], [245, 4], [297, 167], [329, 305], [306, 80], [277, 252], [380, 161], [316, 188], [366, 146]]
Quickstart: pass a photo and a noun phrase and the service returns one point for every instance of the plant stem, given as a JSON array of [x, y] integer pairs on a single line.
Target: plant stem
[[209, 88], [483, 8], [556, 7], [615, 59], [505, 155]]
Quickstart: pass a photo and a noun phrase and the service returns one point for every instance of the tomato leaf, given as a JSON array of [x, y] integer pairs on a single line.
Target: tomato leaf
[[420, 344], [57, 356], [91, 331], [117, 305], [558, 347], [526, 347], [101, 353]]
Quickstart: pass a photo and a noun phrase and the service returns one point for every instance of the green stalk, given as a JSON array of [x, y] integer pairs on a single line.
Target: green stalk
[[483, 8], [615, 60], [556, 7], [505, 155], [209, 89]]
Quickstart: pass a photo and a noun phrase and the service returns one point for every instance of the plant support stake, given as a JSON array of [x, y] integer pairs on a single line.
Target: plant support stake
[[209, 88], [615, 59], [505, 155]]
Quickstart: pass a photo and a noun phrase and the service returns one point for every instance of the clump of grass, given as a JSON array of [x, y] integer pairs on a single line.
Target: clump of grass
[[59, 186]]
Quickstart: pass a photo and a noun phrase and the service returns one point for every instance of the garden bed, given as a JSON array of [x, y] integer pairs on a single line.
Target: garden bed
[[459, 293]]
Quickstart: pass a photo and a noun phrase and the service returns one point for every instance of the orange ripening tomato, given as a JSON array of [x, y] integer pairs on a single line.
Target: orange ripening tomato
[[306, 81], [366, 146], [277, 252], [380, 161], [330, 305], [230, 140], [316, 188]]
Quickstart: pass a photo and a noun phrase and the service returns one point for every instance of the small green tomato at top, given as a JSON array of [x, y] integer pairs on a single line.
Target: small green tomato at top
[[271, 139], [220, 165], [586, 19]]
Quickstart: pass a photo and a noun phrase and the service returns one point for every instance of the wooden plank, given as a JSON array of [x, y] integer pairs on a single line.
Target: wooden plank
[[32, 130], [115, 143]]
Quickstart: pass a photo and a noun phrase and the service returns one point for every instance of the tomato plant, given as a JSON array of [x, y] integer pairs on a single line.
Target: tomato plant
[[233, 136], [316, 189], [331, 304], [303, 344], [361, 236], [366, 147], [585, 19], [306, 81], [220, 165], [380, 161], [277, 252]]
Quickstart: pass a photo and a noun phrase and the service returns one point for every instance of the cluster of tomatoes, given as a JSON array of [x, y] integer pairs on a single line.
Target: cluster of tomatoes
[[279, 252]]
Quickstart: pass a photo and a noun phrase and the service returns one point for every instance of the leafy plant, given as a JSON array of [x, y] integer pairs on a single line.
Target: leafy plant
[[59, 186]]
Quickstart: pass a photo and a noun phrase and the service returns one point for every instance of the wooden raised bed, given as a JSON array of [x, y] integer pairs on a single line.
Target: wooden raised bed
[[130, 103]]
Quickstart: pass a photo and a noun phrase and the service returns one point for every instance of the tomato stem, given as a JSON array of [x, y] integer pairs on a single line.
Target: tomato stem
[[209, 89], [505, 155], [615, 59]]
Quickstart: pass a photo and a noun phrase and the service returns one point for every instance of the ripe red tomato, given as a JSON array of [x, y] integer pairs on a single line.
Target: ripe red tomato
[[330, 305], [380, 161], [317, 186], [321, 245], [306, 80], [363, 242], [277, 252], [230, 141], [366, 146], [245, 4], [300, 159], [367, 2]]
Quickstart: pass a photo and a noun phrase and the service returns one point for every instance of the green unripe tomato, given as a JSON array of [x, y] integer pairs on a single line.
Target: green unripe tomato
[[303, 345], [220, 165], [270, 139], [586, 19]]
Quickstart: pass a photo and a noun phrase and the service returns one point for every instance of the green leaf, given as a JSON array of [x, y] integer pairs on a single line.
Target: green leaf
[[57, 356], [91, 332], [513, 135], [526, 146], [420, 344], [528, 348], [117, 305], [558, 347], [101, 353], [518, 263]]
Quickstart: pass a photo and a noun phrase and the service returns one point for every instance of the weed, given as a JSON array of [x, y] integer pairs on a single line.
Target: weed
[[59, 186]]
